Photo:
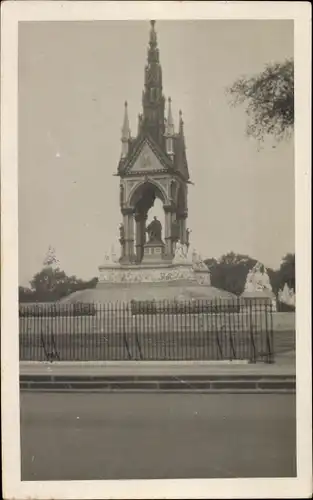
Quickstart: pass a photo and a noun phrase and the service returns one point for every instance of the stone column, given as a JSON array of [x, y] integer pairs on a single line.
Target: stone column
[[140, 235], [131, 249], [168, 230], [182, 228], [125, 224], [143, 233], [129, 234]]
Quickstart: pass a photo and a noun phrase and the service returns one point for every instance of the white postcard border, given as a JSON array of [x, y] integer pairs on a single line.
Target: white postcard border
[[12, 13]]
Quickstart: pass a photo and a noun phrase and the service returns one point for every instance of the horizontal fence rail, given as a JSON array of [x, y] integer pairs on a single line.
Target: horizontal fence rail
[[219, 329]]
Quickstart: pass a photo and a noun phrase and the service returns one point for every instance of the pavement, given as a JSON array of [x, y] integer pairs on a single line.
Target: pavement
[[218, 376], [93, 436]]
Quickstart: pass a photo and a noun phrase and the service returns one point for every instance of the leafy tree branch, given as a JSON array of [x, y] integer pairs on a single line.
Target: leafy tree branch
[[269, 100]]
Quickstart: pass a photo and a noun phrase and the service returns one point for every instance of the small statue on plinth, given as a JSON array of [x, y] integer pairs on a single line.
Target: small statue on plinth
[[180, 250], [110, 257], [122, 241], [181, 253], [122, 232], [154, 230]]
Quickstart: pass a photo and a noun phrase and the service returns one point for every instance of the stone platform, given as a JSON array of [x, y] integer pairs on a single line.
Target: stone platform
[[180, 290], [159, 272], [166, 281]]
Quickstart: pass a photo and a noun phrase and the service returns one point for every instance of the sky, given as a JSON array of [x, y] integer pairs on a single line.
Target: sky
[[73, 80]]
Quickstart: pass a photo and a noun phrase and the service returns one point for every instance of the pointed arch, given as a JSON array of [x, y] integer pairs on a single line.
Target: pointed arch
[[145, 188]]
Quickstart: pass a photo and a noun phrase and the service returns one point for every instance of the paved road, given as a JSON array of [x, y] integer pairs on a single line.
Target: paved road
[[68, 436]]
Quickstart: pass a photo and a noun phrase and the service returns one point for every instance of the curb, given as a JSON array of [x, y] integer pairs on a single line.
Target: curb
[[211, 384], [136, 363]]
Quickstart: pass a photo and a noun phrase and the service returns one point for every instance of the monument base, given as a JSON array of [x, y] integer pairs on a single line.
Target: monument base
[[153, 272], [160, 282]]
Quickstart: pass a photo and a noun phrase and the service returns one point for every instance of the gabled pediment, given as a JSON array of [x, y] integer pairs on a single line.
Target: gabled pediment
[[147, 159]]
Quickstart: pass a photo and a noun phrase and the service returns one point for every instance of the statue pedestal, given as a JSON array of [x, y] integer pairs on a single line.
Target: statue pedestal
[[158, 277], [154, 272], [153, 253]]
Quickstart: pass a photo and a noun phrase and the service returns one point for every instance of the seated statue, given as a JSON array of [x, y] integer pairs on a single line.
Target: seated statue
[[154, 230], [258, 279]]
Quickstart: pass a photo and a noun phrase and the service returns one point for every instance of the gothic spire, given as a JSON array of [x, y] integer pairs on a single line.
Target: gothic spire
[[181, 157], [125, 128], [181, 128], [125, 132], [153, 51], [169, 121], [169, 131], [153, 99]]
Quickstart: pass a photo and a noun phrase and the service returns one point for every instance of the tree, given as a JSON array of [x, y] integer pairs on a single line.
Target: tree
[[269, 98], [230, 271], [52, 284], [287, 271]]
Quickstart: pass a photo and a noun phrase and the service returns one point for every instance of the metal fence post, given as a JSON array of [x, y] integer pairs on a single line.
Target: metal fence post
[[251, 329]]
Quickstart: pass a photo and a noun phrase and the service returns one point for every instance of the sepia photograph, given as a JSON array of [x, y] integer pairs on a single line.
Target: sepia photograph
[[155, 307]]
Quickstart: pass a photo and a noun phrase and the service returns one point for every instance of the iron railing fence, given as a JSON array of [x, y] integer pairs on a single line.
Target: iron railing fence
[[219, 329]]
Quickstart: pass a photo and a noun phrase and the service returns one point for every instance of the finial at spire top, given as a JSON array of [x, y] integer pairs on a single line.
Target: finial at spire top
[[181, 123], [153, 36], [170, 121], [125, 127]]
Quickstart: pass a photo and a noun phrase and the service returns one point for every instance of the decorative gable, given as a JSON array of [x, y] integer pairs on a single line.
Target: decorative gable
[[146, 161]]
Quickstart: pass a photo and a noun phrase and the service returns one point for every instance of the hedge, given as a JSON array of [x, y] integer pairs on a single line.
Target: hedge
[[56, 310], [196, 307]]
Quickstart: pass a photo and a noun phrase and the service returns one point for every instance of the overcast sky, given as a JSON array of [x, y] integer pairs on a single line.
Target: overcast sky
[[73, 80]]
